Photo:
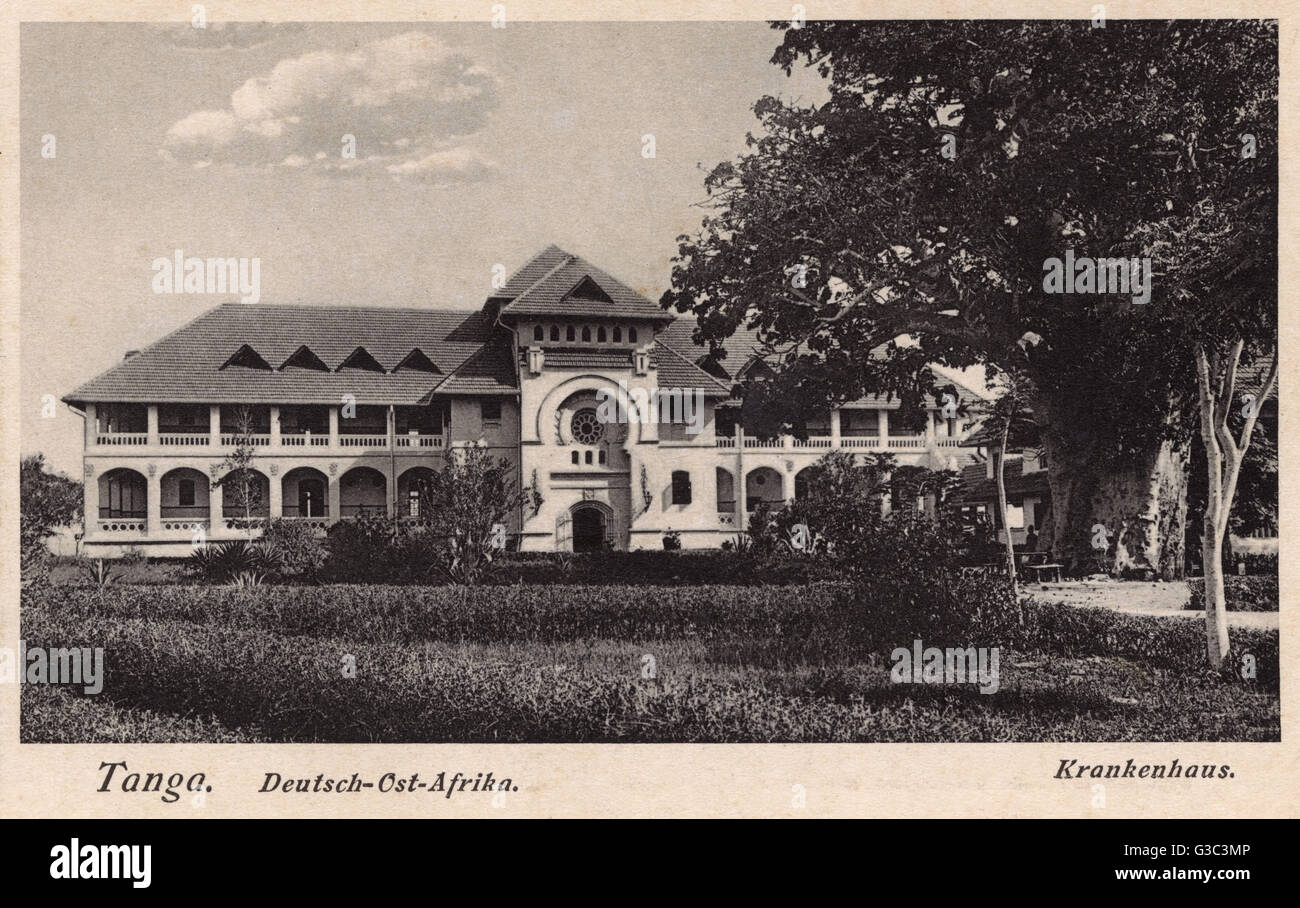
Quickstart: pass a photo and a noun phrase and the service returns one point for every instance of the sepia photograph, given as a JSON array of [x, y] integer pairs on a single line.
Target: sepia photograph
[[628, 382]]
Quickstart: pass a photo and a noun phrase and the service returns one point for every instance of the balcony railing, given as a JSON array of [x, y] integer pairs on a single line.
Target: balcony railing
[[122, 438], [263, 440], [846, 442], [418, 441], [363, 441]]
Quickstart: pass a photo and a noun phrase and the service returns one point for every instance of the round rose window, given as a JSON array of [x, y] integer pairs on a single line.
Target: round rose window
[[586, 428]]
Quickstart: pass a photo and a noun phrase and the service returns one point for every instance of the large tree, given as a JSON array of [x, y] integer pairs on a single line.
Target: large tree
[[925, 197]]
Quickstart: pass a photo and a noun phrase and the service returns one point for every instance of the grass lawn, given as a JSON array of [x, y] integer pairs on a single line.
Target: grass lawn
[[551, 663]]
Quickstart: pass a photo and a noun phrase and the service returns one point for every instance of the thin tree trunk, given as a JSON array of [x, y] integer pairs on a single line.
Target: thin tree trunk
[[1002, 503]]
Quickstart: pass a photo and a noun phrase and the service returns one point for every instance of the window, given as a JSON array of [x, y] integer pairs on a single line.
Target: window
[[413, 503], [185, 492], [491, 410], [618, 335], [569, 333], [600, 456], [586, 428], [681, 487], [538, 334], [573, 458], [586, 332], [587, 458], [555, 332], [600, 334], [631, 335]]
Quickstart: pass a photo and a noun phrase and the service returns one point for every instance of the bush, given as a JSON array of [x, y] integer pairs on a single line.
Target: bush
[[1243, 593], [297, 550], [233, 562]]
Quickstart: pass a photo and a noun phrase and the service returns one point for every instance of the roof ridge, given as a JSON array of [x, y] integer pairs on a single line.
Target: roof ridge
[[568, 257], [694, 366], [143, 350]]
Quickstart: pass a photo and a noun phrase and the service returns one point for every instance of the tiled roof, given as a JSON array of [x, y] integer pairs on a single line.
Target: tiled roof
[[573, 286], [974, 486], [588, 359], [676, 371], [186, 365]]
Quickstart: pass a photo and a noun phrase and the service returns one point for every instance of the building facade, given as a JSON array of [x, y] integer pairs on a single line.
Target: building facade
[[345, 409]]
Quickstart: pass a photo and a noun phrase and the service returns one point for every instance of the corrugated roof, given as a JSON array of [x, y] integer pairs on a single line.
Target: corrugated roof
[[186, 365]]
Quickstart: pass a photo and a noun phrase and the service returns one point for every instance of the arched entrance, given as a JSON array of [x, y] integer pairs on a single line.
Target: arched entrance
[[588, 529]]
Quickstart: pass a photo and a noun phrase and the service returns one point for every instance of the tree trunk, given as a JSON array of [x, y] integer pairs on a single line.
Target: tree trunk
[[1002, 504], [1216, 612], [1141, 501]]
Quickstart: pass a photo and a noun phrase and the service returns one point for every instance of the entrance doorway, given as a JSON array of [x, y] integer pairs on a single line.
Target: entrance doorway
[[588, 530]]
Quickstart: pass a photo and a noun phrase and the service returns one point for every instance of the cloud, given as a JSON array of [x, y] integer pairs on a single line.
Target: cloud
[[407, 102], [227, 35]]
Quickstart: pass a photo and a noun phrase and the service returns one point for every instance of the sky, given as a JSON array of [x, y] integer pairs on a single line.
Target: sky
[[474, 147]]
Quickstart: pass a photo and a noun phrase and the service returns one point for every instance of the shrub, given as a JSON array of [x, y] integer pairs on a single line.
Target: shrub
[[231, 562], [1243, 594], [298, 551]]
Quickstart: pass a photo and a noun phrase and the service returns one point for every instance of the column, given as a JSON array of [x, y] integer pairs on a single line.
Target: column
[[275, 494], [214, 427], [742, 509], [275, 431], [216, 503], [92, 425], [153, 426], [334, 429], [929, 429], [333, 481], [90, 488], [153, 484], [835, 428], [882, 422], [390, 489]]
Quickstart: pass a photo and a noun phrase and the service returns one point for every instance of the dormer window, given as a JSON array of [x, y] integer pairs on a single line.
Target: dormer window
[[418, 361], [304, 358], [360, 358], [248, 358]]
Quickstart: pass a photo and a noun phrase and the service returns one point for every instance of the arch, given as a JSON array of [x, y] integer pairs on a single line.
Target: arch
[[631, 335], [590, 525], [183, 493], [555, 332], [763, 484], [413, 492], [570, 334], [363, 491], [258, 492], [681, 487], [726, 490], [801, 480], [123, 494], [544, 419], [586, 333], [306, 493], [618, 335], [600, 334], [538, 333]]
